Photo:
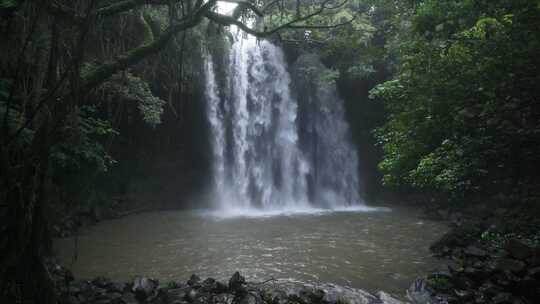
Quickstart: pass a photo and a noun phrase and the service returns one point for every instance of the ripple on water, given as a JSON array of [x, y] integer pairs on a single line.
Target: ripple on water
[[368, 248]]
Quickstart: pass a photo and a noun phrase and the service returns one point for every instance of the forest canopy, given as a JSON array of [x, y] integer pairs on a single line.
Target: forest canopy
[[87, 84], [462, 113]]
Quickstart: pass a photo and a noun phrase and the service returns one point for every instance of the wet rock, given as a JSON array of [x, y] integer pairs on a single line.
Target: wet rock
[[502, 298], [457, 238], [477, 274], [203, 299], [456, 219], [177, 294], [70, 300], [464, 295], [307, 295], [490, 290], [340, 294], [194, 280], [224, 298], [528, 289], [237, 283], [159, 296], [74, 288], [192, 295], [518, 250], [109, 298], [419, 293], [505, 264], [464, 283], [118, 287], [316, 295], [219, 287], [143, 287], [534, 272], [387, 299], [251, 298], [101, 282], [275, 296], [211, 285], [475, 251], [129, 298], [87, 292], [114, 295]]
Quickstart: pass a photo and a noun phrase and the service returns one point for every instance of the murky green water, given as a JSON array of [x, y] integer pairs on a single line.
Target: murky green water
[[380, 250]]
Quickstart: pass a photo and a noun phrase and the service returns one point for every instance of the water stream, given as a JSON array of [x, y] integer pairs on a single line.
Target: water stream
[[259, 161]]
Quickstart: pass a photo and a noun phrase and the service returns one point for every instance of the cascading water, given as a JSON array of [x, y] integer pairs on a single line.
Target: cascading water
[[325, 135], [258, 161]]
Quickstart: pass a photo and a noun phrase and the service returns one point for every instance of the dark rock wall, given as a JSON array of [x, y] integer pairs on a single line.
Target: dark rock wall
[[165, 166]]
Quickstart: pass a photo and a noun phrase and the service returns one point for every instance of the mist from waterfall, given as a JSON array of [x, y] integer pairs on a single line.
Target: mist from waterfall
[[259, 162]]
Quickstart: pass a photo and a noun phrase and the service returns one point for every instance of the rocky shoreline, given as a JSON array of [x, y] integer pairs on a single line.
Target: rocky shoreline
[[197, 291], [488, 263]]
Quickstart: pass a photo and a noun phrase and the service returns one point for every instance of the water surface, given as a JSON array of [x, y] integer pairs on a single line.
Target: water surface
[[377, 250]]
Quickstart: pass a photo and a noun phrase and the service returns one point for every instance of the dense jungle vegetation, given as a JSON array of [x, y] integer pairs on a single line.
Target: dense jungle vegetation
[[442, 97]]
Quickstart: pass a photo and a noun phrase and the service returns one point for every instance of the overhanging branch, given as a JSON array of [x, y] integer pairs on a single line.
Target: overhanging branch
[[232, 20], [124, 61]]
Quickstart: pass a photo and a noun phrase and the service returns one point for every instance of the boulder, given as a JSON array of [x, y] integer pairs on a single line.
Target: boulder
[[274, 295], [74, 288], [211, 285], [490, 290], [71, 300], [101, 282], [502, 298], [177, 294], [143, 287], [419, 293], [341, 294], [251, 298], [194, 280], [511, 265], [237, 283], [387, 299], [112, 298], [192, 295], [534, 260], [224, 298], [118, 287], [475, 251], [534, 272], [129, 298], [518, 250]]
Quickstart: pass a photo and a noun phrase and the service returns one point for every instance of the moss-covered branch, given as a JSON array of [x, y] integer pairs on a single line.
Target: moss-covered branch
[[132, 57]]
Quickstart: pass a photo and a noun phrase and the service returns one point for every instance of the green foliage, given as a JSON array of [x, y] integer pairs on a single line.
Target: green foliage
[[461, 116], [439, 284], [80, 158], [130, 87], [4, 4], [15, 119], [311, 67], [82, 149]]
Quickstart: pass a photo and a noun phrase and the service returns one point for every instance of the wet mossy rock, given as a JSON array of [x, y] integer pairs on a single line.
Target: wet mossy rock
[[484, 270], [518, 249], [143, 290]]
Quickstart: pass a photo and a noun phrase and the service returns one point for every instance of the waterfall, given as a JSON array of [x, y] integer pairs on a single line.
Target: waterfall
[[325, 135], [217, 127], [258, 159]]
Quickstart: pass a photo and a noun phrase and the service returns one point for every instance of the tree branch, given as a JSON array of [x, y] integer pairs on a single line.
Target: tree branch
[[130, 58], [243, 4], [231, 20]]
